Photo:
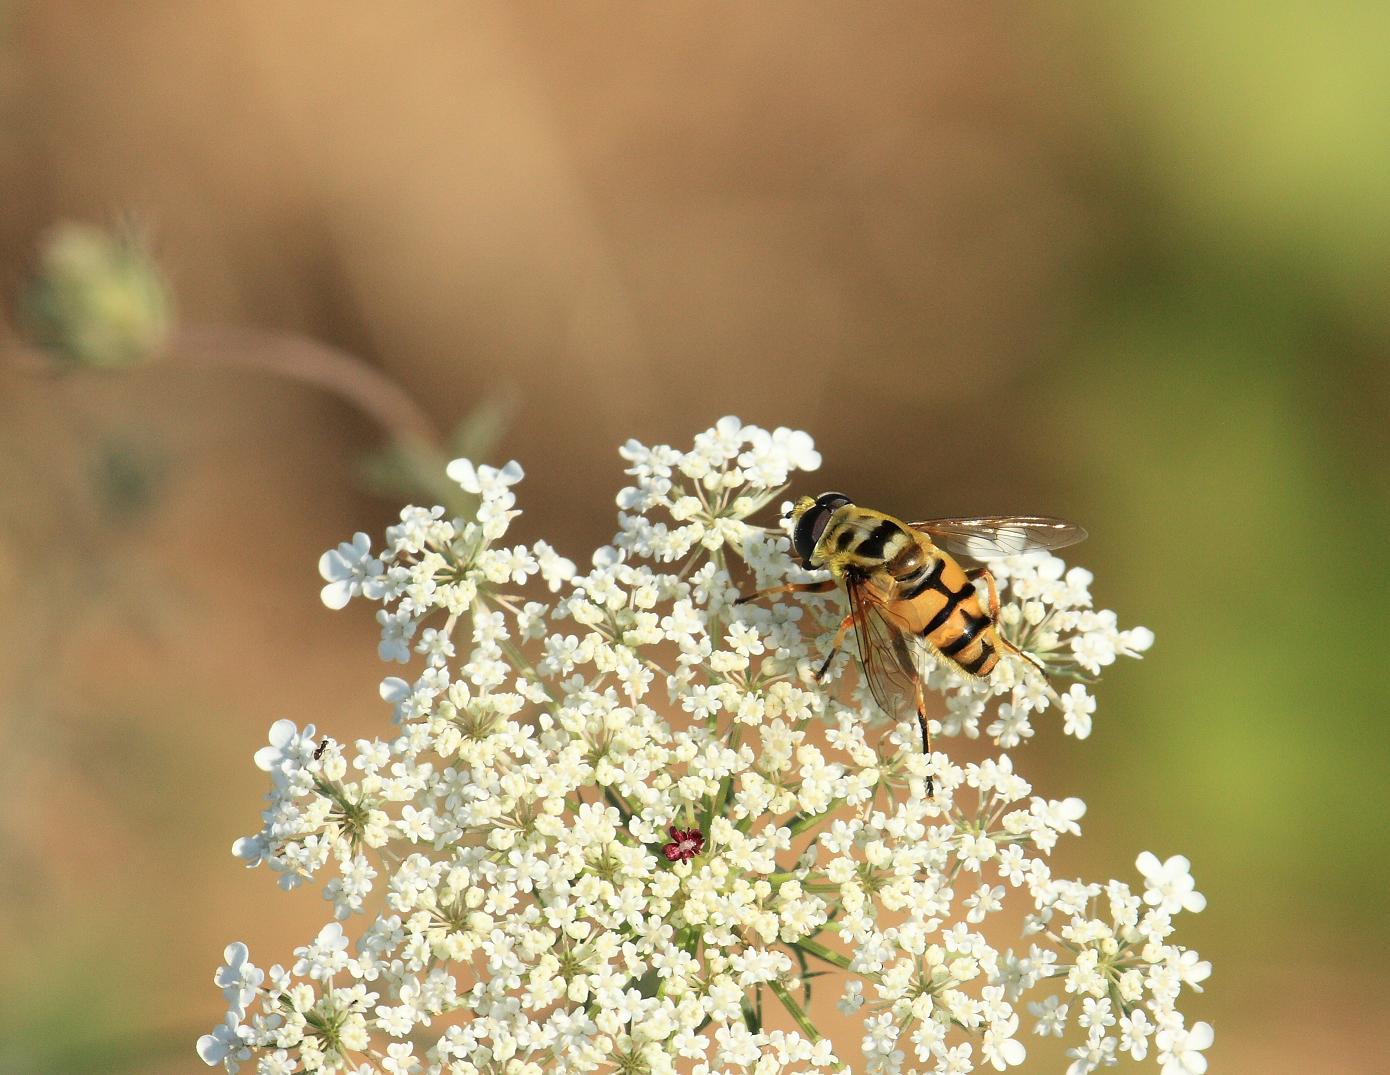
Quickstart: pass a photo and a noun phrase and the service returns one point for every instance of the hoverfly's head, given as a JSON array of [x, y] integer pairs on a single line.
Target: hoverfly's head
[[810, 517]]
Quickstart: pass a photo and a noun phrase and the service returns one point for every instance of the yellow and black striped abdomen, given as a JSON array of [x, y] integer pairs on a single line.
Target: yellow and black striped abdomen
[[938, 603]]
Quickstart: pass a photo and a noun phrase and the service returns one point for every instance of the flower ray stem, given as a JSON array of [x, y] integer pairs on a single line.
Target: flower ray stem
[[615, 798], [716, 805], [802, 822], [519, 659], [815, 948], [798, 1014]]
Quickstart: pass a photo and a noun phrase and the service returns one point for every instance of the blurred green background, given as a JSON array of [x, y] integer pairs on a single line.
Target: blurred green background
[[1122, 263]]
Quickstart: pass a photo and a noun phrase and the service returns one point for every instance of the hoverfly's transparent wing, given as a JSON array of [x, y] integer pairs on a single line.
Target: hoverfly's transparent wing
[[1000, 535], [885, 651]]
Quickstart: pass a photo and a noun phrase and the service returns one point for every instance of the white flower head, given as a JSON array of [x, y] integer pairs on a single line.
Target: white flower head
[[613, 817]]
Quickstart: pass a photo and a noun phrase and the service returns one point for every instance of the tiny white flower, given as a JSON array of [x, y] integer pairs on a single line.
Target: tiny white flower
[[326, 956], [1193, 970], [1135, 1030], [238, 977], [350, 570], [1168, 885], [289, 748], [400, 1059], [1180, 1049], [225, 1045], [1077, 707], [1052, 1017], [484, 481]]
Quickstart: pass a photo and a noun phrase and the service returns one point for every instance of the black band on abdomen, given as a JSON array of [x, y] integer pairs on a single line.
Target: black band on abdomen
[[973, 667], [928, 579], [972, 627]]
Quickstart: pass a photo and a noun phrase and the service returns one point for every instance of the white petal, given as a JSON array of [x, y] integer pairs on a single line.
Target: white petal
[[331, 934], [1200, 1036], [1139, 639], [332, 566], [393, 689], [463, 472], [211, 1051], [235, 954], [250, 849], [336, 595], [1148, 863]]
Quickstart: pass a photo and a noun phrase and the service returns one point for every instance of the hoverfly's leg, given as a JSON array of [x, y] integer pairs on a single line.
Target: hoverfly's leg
[[789, 587], [984, 573], [845, 625], [921, 702]]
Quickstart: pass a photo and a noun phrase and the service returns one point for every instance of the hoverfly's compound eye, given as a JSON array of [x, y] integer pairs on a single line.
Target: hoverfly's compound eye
[[813, 522]]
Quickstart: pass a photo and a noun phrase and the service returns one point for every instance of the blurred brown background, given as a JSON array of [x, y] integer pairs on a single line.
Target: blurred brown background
[[1119, 264]]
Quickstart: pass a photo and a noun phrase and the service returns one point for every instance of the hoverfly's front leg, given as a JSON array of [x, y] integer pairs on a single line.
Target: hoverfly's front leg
[[807, 587], [788, 587], [845, 625]]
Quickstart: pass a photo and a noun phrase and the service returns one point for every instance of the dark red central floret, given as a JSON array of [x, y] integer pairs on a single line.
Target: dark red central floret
[[685, 844]]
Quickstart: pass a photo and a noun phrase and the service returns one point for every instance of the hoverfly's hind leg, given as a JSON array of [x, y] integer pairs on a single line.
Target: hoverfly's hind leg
[[984, 573], [921, 703], [845, 625], [788, 587]]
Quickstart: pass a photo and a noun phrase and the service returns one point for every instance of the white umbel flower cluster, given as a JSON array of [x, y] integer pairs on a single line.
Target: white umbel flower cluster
[[617, 827]]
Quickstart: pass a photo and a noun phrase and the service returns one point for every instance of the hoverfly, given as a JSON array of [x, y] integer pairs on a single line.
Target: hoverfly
[[906, 591]]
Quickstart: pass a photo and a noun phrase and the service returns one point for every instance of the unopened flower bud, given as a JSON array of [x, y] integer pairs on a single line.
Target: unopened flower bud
[[97, 299]]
